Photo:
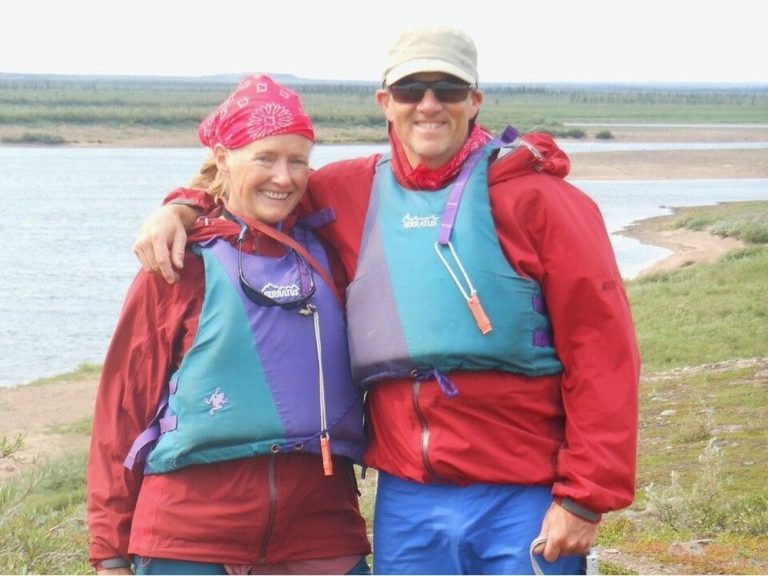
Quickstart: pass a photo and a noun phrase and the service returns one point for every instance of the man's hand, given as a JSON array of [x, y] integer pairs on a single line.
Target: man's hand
[[566, 534], [162, 240]]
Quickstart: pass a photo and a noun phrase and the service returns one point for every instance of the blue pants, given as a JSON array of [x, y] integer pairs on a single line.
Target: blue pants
[[479, 529]]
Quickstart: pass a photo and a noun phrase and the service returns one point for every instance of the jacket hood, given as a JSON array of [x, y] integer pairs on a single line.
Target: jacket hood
[[531, 153]]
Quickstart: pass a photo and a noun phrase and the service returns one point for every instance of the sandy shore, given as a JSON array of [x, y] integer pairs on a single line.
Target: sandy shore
[[677, 164], [688, 246], [670, 165]]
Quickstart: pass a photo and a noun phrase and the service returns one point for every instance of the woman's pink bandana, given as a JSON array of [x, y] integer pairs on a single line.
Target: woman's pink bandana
[[259, 107]]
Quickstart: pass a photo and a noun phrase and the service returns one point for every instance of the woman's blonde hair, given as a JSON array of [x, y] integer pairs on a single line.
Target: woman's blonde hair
[[210, 179]]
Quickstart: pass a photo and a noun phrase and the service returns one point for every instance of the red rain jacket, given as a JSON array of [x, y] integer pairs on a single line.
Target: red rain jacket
[[255, 510]]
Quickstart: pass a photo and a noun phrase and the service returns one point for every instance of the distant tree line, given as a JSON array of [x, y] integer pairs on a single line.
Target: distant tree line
[[347, 111]]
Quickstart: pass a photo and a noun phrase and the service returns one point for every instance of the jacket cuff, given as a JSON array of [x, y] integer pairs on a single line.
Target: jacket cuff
[[196, 204], [192, 197], [109, 563], [578, 510]]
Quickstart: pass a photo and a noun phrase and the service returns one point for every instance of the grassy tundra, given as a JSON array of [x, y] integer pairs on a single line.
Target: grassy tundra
[[41, 110]]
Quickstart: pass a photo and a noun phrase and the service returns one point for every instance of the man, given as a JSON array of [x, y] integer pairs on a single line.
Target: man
[[487, 320]]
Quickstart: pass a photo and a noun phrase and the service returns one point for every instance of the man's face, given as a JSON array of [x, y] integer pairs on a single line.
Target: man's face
[[433, 128]]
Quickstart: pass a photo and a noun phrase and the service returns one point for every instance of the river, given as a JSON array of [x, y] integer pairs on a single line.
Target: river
[[70, 216]]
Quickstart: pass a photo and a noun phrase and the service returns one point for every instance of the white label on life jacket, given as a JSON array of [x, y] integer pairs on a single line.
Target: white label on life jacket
[[420, 221]]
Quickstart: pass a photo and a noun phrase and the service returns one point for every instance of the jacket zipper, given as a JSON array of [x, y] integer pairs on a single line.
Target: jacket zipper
[[272, 511], [424, 431]]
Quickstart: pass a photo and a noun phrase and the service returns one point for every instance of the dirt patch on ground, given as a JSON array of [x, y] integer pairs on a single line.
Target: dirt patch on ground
[[44, 415]]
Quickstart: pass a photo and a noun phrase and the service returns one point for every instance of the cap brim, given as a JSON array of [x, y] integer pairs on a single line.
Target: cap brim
[[422, 66]]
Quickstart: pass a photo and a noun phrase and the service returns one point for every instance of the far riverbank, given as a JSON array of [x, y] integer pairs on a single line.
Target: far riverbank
[[624, 165]]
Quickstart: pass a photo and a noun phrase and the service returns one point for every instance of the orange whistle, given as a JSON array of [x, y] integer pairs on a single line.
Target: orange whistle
[[325, 450], [480, 317]]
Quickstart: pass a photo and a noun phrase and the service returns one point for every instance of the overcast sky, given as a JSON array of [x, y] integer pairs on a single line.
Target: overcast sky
[[518, 41]]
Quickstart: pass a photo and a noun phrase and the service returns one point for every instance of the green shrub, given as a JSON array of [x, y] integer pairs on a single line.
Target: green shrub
[[42, 520], [35, 138]]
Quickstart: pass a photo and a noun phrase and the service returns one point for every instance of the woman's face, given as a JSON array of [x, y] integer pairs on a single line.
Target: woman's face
[[266, 178]]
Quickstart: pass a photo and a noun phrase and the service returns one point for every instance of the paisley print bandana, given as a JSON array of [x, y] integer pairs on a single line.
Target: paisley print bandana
[[259, 107]]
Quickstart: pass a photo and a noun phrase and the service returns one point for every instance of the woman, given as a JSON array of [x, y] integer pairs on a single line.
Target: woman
[[226, 424]]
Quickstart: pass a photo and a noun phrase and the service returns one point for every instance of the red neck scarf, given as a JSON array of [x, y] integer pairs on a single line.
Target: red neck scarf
[[421, 177]]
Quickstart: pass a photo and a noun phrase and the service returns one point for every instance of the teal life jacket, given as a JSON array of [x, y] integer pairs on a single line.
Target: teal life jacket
[[258, 379], [433, 291]]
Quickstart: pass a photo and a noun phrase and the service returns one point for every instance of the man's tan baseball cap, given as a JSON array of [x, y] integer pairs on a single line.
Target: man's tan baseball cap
[[446, 50]]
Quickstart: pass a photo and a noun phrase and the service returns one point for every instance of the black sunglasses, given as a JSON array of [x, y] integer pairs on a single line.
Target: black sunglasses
[[261, 299], [445, 91]]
